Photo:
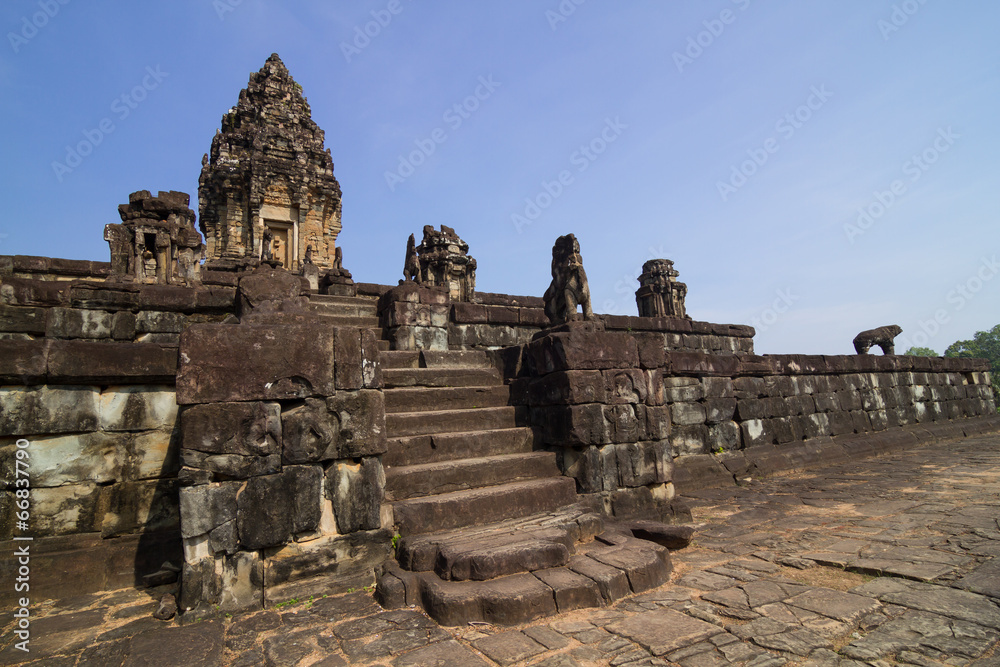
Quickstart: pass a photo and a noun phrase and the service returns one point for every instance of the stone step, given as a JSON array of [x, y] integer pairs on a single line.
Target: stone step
[[418, 449], [343, 305], [608, 572], [429, 422], [349, 321], [484, 505], [440, 377], [419, 399], [436, 359], [446, 476], [508, 547]]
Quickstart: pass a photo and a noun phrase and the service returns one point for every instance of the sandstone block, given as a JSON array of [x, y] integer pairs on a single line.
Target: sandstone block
[[225, 362], [138, 408], [356, 491], [245, 429], [48, 410]]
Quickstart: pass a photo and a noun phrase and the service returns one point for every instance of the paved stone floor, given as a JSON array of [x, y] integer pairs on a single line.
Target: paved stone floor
[[883, 562]]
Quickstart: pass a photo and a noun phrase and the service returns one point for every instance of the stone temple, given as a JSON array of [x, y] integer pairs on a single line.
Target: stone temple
[[269, 176], [237, 422]]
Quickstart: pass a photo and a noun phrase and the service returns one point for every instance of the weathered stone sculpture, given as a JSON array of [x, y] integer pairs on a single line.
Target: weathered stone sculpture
[[411, 266], [882, 336], [659, 293], [569, 287], [444, 262], [268, 170], [156, 243]]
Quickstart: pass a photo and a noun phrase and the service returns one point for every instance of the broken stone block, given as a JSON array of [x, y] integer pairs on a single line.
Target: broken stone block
[[356, 491], [572, 424], [205, 508], [245, 429], [48, 410], [265, 511], [306, 483]]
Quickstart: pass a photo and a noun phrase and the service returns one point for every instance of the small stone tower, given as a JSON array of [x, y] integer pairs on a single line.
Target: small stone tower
[[269, 180]]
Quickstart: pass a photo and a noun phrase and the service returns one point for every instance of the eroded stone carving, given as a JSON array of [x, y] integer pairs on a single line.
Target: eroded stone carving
[[156, 242], [882, 336], [442, 260], [411, 266], [569, 288], [268, 173], [659, 293]]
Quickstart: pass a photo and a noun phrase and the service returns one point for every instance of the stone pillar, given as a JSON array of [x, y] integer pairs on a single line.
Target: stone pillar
[[415, 317], [597, 398], [282, 428]]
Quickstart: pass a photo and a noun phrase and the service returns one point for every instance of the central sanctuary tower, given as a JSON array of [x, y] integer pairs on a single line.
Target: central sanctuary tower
[[267, 190]]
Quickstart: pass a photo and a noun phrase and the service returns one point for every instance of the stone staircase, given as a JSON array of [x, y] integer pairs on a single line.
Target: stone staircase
[[490, 529], [349, 311]]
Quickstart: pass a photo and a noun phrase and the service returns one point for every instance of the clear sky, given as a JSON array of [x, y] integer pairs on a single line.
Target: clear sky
[[812, 168]]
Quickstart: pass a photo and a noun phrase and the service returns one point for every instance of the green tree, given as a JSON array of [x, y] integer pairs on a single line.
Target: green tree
[[984, 345], [921, 352]]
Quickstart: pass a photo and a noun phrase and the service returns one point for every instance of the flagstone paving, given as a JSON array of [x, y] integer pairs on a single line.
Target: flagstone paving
[[881, 562]]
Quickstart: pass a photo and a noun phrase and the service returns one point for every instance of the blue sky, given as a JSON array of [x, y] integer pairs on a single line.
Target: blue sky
[[813, 168]]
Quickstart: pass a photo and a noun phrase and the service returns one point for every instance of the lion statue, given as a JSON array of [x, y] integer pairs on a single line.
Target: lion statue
[[569, 287], [882, 337]]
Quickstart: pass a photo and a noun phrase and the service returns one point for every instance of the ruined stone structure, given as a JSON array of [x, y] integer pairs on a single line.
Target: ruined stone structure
[[268, 171], [659, 293], [882, 336], [568, 289], [443, 261], [267, 434], [156, 243]]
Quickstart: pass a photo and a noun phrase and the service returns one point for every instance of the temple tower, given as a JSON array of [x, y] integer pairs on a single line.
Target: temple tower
[[268, 179]]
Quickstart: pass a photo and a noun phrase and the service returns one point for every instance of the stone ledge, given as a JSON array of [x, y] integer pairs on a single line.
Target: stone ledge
[[86, 362]]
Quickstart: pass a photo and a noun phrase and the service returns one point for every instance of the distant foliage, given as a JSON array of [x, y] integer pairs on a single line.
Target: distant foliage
[[921, 352], [984, 345]]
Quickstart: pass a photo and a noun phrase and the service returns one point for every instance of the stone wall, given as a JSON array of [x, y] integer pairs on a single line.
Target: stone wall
[[719, 404], [51, 268], [34, 308], [621, 411], [100, 419], [283, 427]]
